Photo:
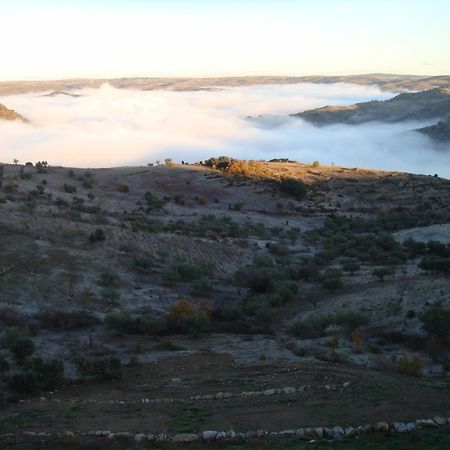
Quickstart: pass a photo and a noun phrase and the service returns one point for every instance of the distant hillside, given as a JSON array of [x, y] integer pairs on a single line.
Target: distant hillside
[[9, 114], [425, 105], [61, 93], [439, 132], [387, 82]]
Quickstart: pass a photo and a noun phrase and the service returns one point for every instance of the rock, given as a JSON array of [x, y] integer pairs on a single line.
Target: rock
[[269, 392], [287, 433], [29, 434], [231, 435], [227, 395], [123, 435], [337, 432], [219, 396], [140, 437], [426, 423], [440, 420], [400, 427], [69, 434], [318, 431], [346, 384], [349, 431], [209, 435], [367, 428], [288, 390], [381, 426], [185, 437], [161, 437]]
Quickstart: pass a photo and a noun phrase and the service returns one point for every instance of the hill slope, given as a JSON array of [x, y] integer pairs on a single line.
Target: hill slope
[[9, 114], [439, 132], [425, 105]]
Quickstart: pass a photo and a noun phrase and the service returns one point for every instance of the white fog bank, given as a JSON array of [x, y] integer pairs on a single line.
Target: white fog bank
[[112, 127]]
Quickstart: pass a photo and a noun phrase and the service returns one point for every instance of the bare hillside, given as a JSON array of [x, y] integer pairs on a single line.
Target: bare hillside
[[144, 299]]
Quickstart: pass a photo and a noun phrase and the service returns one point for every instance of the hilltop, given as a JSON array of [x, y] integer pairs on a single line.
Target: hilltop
[[9, 114]]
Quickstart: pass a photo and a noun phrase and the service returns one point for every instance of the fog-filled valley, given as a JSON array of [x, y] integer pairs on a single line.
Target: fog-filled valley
[[116, 127]]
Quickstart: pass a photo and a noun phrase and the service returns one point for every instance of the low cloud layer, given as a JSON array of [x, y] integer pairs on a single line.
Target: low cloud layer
[[111, 127]]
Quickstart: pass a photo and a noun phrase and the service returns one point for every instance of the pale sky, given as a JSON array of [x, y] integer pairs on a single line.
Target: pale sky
[[49, 39]]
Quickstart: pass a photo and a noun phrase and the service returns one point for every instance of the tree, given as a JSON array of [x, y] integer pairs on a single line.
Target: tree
[[436, 321], [21, 348], [381, 272], [351, 266]]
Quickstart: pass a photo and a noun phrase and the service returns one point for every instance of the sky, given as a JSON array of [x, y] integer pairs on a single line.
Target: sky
[[52, 39]]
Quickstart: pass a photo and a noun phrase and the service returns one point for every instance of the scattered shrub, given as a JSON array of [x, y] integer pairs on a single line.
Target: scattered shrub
[[38, 375], [292, 186], [66, 320], [357, 341], [122, 187], [19, 344], [108, 368], [143, 262], [69, 188], [108, 278], [97, 236], [381, 272], [436, 321], [409, 364]]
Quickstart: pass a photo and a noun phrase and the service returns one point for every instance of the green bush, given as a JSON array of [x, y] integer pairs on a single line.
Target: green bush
[[121, 323], [381, 272], [69, 188], [19, 344], [108, 278], [182, 270], [350, 265], [108, 368], [4, 365], [291, 186], [143, 262], [311, 327], [38, 375], [153, 202], [97, 236], [315, 326], [66, 320], [254, 278]]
